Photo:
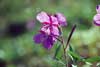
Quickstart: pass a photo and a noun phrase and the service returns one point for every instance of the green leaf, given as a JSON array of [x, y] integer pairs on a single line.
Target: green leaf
[[57, 53], [71, 48], [74, 56], [93, 59]]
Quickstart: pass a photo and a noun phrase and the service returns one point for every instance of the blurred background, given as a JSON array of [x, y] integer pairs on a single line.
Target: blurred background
[[18, 26]]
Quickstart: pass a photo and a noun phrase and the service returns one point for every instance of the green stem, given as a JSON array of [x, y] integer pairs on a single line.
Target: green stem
[[63, 43]]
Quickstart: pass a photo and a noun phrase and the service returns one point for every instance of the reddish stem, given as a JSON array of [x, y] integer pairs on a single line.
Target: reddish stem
[[70, 35]]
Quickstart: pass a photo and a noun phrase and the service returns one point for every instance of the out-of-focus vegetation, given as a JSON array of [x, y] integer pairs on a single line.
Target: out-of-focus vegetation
[[20, 50]]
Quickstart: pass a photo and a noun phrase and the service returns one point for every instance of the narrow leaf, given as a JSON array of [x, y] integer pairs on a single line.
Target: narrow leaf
[[57, 51], [74, 56], [93, 59], [70, 35]]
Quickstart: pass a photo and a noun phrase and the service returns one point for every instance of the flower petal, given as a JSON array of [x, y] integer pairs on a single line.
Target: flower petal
[[45, 29], [54, 20], [43, 17], [38, 38], [98, 9], [55, 31], [48, 43], [97, 23], [97, 19], [61, 18]]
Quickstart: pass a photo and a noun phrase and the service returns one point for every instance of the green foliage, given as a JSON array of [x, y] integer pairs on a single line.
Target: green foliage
[[93, 59], [73, 54], [57, 55], [77, 58]]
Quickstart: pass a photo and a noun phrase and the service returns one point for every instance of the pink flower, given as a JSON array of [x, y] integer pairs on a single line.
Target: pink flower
[[51, 22], [97, 16], [49, 30], [97, 19]]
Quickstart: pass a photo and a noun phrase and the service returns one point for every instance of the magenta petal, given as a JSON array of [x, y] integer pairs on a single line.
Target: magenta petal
[[55, 31], [97, 19], [98, 9], [63, 24], [97, 23], [38, 38], [48, 43], [61, 18], [43, 17], [54, 20], [45, 29]]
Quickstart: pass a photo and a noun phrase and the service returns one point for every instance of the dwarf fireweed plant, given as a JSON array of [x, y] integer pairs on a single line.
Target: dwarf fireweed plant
[[51, 33], [51, 30]]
